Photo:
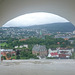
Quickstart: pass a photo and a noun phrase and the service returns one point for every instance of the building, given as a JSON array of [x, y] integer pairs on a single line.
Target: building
[[74, 32], [53, 53], [16, 46], [62, 53], [23, 39], [4, 52], [26, 46], [21, 46], [65, 53], [40, 50], [71, 41], [10, 51]]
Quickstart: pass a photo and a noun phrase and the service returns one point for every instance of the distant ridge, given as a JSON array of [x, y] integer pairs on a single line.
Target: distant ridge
[[55, 27]]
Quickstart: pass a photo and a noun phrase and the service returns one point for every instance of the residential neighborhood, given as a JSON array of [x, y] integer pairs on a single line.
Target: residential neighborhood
[[36, 43], [62, 53], [23, 33], [41, 52], [7, 53]]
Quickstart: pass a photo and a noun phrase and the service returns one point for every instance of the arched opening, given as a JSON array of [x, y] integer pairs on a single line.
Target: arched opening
[[10, 9], [39, 30]]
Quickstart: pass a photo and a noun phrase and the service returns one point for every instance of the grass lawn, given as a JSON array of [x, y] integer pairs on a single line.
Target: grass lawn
[[3, 44]]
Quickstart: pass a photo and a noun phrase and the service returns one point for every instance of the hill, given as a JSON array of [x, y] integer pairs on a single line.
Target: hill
[[55, 27]]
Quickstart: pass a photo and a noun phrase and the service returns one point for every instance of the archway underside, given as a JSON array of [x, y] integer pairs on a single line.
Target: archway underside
[[11, 9]]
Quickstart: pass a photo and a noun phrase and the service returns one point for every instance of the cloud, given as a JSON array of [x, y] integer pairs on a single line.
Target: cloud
[[34, 19]]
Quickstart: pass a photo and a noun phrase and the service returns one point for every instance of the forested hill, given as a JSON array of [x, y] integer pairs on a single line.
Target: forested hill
[[56, 27]]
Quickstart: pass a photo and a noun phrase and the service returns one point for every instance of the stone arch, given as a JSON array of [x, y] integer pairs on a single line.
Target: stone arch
[[11, 9]]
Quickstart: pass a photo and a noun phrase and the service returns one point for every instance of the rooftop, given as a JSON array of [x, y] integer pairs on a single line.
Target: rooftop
[[39, 48]]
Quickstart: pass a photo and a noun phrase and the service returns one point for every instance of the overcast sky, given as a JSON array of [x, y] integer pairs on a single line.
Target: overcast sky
[[34, 19]]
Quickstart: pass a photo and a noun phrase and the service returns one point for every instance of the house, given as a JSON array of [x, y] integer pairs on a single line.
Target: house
[[26, 46], [62, 53], [16, 46], [53, 53], [40, 50], [74, 32], [4, 52], [23, 39], [65, 53], [71, 41], [10, 51], [21, 46]]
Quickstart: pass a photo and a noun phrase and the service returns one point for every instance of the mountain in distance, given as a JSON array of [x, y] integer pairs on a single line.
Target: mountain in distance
[[55, 27]]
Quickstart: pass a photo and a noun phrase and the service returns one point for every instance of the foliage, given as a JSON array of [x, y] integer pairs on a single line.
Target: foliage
[[50, 58], [24, 54], [17, 56], [13, 57], [48, 41], [73, 55], [3, 57], [8, 55]]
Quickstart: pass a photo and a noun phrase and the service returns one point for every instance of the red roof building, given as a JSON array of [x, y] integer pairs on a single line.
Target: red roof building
[[54, 54], [23, 39]]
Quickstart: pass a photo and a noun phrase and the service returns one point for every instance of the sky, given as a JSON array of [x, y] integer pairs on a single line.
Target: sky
[[37, 18]]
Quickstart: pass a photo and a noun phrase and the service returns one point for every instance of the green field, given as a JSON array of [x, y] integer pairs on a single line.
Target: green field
[[3, 44]]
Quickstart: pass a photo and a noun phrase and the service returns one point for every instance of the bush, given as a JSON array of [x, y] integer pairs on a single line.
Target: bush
[[13, 57], [17, 57], [8, 55], [3, 57], [51, 58]]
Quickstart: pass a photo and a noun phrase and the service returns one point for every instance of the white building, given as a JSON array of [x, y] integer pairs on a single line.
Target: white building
[[53, 53], [6, 50], [16, 46], [25, 46], [21, 46], [74, 32], [60, 52]]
